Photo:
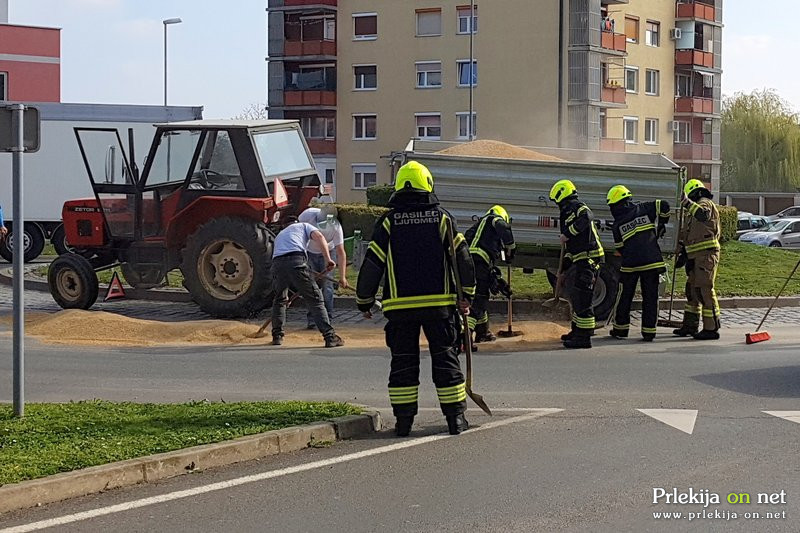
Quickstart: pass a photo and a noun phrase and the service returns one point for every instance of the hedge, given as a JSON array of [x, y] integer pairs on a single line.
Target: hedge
[[728, 221], [379, 195], [359, 216]]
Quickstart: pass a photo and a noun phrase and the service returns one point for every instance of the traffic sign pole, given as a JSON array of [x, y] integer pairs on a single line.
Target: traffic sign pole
[[18, 132]]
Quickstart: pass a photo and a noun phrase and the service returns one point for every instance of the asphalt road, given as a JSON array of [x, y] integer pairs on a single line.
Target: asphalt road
[[590, 464]]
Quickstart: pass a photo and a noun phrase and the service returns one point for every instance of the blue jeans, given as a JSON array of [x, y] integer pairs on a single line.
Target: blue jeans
[[317, 264]]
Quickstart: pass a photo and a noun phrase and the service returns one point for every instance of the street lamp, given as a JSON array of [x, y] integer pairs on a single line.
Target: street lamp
[[167, 22]]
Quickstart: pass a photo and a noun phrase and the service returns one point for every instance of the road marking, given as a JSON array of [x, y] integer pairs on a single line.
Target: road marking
[[177, 495], [495, 410], [682, 419], [791, 416]]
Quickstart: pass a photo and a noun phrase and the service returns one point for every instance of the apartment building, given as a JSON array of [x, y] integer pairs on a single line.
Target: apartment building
[[614, 75], [30, 61]]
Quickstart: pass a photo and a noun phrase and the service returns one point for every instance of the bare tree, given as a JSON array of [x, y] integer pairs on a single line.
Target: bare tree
[[254, 111]]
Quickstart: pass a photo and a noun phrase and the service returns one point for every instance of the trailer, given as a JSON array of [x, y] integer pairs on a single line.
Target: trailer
[[468, 186], [56, 172]]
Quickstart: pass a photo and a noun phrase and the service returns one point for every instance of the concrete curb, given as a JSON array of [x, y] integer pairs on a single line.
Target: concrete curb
[[165, 465], [523, 307]]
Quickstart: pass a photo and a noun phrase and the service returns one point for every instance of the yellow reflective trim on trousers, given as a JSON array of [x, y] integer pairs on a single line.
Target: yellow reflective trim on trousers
[[644, 268], [482, 254], [469, 291], [614, 309], [623, 327], [373, 246], [585, 323], [419, 302], [646, 227], [694, 309], [649, 330], [471, 322], [462, 397], [364, 301], [711, 312], [403, 401], [711, 244], [483, 319], [451, 389]]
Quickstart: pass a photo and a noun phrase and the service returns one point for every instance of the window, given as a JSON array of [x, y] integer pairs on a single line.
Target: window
[[282, 153], [632, 79], [312, 78], [682, 132], [429, 74], [464, 72], [364, 175], [651, 82], [652, 34], [173, 156], [464, 25], [366, 77], [313, 28], [683, 85], [429, 126], [632, 29], [463, 125], [651, 131], [365, 126], [365, 26], [318, 127], [330, 29], [218, 157], [429, 22], [630, 127], [3, 86], [330, 176]]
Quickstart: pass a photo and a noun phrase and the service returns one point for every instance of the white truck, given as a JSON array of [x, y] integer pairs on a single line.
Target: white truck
[[56, 172]]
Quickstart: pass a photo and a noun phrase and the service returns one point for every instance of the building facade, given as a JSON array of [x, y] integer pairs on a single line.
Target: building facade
[[614, 75], [30, 62]]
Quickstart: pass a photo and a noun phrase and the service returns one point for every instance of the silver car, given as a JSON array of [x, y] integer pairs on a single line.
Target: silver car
[[789, 212], [784, 232]]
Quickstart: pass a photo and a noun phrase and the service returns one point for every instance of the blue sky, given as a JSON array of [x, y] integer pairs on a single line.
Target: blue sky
[[112, 49]]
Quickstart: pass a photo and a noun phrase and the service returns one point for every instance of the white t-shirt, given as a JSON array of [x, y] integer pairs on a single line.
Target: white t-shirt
[[330, 229]]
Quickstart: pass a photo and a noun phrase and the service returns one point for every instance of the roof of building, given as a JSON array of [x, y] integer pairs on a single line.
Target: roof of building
[[227, 124]]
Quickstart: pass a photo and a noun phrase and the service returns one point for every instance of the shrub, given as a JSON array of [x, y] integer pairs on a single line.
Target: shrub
[[359, 216], [728, 221], [378, 195]]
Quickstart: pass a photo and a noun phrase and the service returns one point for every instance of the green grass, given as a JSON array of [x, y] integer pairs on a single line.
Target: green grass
[[54, 438]]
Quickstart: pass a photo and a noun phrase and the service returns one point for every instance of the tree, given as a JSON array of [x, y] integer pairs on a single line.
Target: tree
[[760, 143], [253, 111]]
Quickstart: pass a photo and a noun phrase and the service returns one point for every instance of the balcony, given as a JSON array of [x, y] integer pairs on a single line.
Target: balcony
[[309, 48], [696, 58], [322, 146], [693, 104], [612, 145], [613, 41], [306, 98], [696, 10], [613, 94], [310, 2], [692, 152]]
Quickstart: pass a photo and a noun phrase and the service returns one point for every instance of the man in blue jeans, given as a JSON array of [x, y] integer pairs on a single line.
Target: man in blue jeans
[[324, 219]]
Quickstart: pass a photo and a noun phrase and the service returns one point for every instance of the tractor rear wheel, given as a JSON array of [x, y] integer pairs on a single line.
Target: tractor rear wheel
[[73, 283], [226, 267], [605, 291]]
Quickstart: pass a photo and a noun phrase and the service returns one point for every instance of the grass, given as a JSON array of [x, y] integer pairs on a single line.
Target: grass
[[59, 437]]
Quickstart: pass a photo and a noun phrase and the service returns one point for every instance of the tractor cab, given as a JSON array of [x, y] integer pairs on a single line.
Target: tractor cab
[[147, 214]]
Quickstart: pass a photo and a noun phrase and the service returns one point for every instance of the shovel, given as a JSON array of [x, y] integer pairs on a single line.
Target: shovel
[[668, 322], [509, 332], [556, 299]]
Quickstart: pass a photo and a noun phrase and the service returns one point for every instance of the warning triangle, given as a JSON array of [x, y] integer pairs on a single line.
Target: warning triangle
[[115, 289], [279, 194], [682, 419], [791, 416]]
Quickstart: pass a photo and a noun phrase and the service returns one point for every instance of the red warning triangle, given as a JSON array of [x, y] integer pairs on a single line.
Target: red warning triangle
[[281, 198], [115, 289]]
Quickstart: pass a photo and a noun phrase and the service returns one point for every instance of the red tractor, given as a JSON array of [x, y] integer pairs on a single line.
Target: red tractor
[[208, 201]]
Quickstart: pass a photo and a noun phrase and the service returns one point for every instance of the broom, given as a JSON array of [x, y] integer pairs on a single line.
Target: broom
[[761, 336], [509, 332], [669, 323]]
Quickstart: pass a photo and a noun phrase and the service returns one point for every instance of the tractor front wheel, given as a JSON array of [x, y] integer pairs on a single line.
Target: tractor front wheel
[[73, 283], [226, 267]]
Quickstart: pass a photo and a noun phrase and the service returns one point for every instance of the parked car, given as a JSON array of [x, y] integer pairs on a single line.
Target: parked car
[[784, 232], [793, 211], [749, 222]]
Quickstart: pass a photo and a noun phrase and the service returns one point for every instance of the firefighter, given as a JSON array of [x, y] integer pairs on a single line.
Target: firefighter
[[700, 255], [410, 253], [487, 238], [584, 255], [636, 229]]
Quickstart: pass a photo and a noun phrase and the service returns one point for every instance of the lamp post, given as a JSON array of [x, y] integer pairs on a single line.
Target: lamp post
[[166, 23]]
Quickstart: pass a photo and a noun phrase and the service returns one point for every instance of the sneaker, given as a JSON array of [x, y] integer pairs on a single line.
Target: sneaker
[[685, 331], [648, 337], [578, 342], [486, 337], [707, 335], [456, 424], [618, 333], [334, 341], [402, 428], [277, 340]]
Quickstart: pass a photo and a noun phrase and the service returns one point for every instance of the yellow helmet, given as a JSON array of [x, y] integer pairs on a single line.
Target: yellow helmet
[[562, 189], [500, 212], [415, 176], [692, 185], [617, 193]]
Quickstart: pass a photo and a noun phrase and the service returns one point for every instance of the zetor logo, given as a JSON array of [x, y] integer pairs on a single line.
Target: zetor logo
[[84, 209], [416, 217]]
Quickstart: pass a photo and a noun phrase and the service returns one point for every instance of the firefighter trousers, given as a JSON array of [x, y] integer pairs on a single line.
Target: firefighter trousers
[[478, 319], [581, 295], [701, 298], [402, 338], [649, 280]]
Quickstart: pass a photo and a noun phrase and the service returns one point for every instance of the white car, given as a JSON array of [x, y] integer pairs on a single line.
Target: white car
[[784, 232]]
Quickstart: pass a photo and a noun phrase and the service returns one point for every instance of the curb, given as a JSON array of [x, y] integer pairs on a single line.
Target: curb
[[170, 464], [524, 307]]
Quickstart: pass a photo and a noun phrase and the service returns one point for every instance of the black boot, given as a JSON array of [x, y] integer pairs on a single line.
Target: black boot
[[567, 336], [618, 333], [578, 341], [456, 424], [707, 335], [402, 428], [648, 337], [690, 326], [485, 337], [334, 341]]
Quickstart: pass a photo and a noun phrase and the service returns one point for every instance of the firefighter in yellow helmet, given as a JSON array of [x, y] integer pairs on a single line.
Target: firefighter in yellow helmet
[[636, 229], [700, 254], [410, 254], [487, 238], [584, 255]]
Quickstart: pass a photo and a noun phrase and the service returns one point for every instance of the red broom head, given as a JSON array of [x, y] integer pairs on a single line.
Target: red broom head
[[761, 336]]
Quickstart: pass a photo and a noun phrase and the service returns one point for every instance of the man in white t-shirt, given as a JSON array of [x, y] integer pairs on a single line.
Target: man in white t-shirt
[[324, 219]]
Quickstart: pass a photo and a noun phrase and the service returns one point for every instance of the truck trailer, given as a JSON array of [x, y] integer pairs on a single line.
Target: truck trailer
[[56, 172]]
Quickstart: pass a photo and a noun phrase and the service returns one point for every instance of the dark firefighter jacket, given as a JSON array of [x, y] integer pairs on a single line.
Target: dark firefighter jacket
[[577, 223], [702, 232], [488, 236], [635, 233], [410, 253]]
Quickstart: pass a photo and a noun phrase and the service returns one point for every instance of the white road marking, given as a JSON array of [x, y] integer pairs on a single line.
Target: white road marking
[[791, 416], [682, 419], [162, 498], [494, 410]]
